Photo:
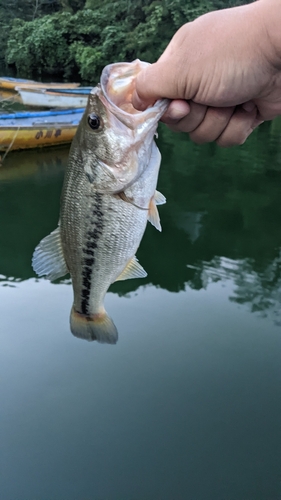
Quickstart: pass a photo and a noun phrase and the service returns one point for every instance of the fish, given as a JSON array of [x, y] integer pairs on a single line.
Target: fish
[[108, 196]]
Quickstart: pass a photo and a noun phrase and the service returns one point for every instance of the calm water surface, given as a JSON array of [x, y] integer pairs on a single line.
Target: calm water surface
[[187, 405]]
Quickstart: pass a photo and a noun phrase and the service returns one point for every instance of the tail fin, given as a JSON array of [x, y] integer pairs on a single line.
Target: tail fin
[[95, 327]]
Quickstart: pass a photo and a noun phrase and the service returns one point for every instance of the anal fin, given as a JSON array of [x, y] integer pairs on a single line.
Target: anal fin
[[132, 270]]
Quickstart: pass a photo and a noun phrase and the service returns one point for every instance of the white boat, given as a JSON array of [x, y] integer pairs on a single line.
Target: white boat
[[8, 83], [55, 98]]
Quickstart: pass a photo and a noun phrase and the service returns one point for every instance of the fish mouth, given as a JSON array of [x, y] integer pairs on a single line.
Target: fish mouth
[[117, 86]]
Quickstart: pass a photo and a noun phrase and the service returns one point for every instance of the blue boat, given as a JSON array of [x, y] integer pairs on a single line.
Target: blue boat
[[79, 90], [32, 129]]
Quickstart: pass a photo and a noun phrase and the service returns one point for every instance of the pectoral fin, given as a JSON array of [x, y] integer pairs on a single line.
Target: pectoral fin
[[159, 198], [153, 215], [132, 270], [48, 259]]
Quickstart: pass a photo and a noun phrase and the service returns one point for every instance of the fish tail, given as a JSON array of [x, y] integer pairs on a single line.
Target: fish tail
[[94, 327]]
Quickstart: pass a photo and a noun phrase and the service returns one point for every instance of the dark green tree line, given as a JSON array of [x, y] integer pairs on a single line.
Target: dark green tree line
[[79, 37]]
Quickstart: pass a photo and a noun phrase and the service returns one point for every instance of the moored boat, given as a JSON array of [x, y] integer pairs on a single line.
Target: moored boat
[[25, 130], [55, 98], [10, 83], [8, 95]]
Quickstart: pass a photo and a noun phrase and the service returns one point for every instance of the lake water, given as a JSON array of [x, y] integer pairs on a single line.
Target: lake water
[[187, 405]]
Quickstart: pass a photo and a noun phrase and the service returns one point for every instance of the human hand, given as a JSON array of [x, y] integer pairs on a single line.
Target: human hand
[[222, 72]]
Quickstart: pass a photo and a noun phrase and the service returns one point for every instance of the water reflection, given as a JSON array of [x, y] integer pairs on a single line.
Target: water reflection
[[259, 290], [30, 185], [221, 220], [187, 404]]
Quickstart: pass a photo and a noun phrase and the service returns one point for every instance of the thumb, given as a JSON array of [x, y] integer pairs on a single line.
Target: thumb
[[151, 84]]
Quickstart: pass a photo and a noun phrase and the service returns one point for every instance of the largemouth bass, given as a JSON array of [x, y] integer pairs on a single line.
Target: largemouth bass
[[109, 194]]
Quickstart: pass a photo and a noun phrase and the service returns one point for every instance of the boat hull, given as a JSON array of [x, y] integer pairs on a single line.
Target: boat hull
[[12, 83], [28, 138], [27, 130], [46, 99]]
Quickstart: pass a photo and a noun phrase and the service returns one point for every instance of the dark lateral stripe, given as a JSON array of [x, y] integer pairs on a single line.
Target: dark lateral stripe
[[92, 235], [87, 251]]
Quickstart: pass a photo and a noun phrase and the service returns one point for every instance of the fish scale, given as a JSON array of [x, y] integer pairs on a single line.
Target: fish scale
[[109, 194], [116, 240], [89, 257]]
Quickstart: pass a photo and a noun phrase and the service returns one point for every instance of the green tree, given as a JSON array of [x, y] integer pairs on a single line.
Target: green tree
[[83, 36]]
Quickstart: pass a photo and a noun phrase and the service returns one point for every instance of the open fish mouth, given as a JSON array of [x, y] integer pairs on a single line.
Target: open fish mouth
[[118, 83], [117, 86]]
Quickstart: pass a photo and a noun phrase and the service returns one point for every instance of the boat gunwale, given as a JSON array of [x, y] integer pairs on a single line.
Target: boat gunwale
[[55, 92], [40, 126]]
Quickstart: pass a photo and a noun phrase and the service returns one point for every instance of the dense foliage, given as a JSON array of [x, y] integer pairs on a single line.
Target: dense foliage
[[75, 37]]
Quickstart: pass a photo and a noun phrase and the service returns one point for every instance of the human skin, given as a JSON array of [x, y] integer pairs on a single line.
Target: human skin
[[222, 72]]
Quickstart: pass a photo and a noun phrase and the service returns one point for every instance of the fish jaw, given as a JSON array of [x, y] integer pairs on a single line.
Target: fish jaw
[[117, 85], [127, 133], [111, 157], [117, 153]]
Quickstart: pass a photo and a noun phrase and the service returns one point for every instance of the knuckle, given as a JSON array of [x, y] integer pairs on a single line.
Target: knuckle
[[219, 115], [202, 135], [188, 124]]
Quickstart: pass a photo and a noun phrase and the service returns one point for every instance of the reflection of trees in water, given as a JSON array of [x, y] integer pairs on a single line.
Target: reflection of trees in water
[[222, 206], [261, 291], [223, 203], [30, 185]]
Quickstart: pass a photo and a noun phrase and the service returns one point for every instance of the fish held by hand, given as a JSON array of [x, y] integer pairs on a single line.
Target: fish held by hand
[[109, 194]]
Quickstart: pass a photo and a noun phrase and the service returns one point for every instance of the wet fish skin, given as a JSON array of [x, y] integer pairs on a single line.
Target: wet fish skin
[[108, 195], [97, 251]]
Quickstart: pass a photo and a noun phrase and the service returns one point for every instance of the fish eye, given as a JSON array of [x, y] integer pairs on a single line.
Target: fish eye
[[94, 121]]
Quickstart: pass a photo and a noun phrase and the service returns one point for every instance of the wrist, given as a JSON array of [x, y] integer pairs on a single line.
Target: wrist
[[269, 15]]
